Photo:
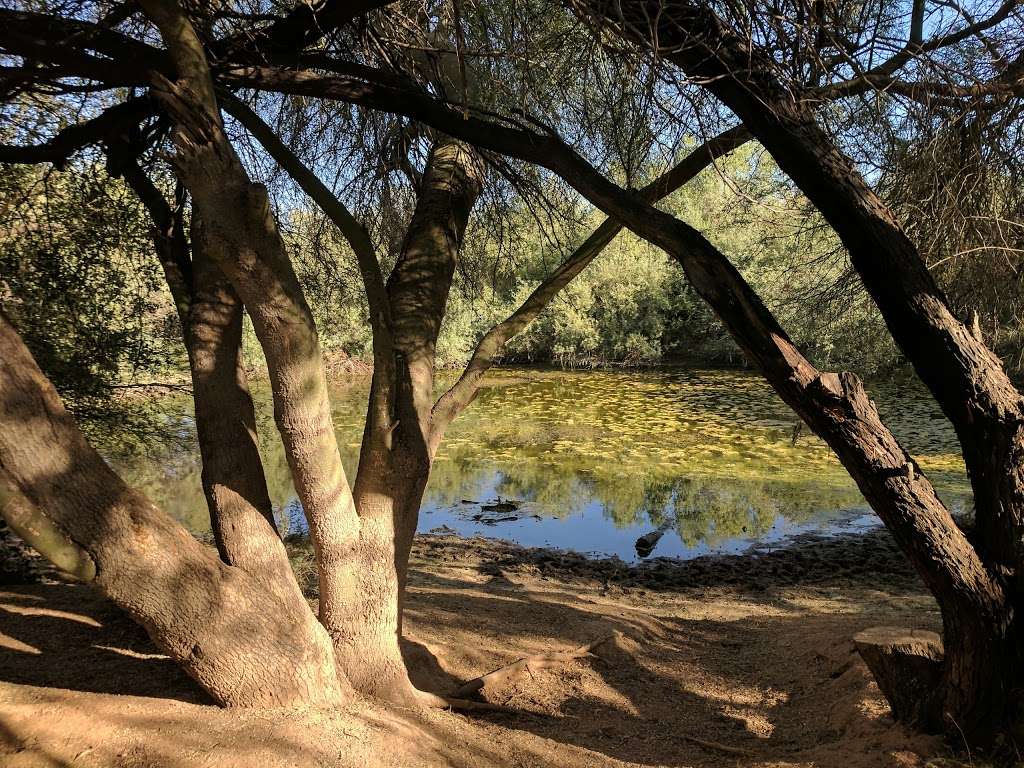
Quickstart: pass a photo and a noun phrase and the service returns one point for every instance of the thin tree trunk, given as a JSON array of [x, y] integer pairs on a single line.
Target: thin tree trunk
[[245, 645], [210, 316]]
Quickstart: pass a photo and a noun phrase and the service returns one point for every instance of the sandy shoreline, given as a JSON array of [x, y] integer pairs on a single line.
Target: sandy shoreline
[[749, 653]]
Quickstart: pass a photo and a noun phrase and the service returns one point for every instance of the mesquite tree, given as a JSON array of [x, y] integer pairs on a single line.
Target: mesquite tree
[[235, 259], [775, 76]]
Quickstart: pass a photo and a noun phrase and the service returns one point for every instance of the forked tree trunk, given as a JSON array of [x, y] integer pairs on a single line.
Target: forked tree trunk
[[395, 458], [210, 317], [245, 645], [233, 480], [356, 555], [240, 235]]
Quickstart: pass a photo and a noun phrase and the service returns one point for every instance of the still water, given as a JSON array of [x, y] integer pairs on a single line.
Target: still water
[[591, 461]]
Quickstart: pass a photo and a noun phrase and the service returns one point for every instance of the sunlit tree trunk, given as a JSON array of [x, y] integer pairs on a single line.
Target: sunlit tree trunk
[[210, 317], [395, 459], [244, 644], [360, 554]]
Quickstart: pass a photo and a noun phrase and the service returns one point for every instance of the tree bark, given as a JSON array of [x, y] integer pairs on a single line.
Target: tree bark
[[907, 664], [395, 457], [233, 479], [982, 670], [240, 235], [210, 315], [244, 645]]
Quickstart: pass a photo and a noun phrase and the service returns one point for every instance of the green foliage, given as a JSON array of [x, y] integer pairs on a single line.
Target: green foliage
[[634, 305], [80, 280]]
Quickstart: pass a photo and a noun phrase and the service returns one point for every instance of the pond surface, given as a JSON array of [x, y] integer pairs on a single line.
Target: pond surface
[[700, 461]]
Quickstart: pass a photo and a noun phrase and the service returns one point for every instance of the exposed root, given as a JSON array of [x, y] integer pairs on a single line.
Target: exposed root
[[537, 661], [433, 701], [716, 746]]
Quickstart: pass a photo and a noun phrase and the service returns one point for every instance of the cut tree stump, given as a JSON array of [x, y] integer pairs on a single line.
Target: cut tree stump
[[907, 665]]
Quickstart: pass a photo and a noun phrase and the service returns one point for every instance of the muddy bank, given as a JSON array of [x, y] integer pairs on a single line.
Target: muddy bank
[[820, 563]]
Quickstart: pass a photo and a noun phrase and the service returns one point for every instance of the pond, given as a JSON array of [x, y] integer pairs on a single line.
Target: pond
[[696, 461]]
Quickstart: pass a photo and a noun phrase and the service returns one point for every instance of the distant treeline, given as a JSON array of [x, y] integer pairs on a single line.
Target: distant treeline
[[85, 287]]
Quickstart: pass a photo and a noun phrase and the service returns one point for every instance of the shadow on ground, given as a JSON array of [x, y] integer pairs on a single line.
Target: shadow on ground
[[736, 662]]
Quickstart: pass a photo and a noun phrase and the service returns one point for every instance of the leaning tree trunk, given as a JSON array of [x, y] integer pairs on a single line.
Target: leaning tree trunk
[[245, 645], [983, 674]]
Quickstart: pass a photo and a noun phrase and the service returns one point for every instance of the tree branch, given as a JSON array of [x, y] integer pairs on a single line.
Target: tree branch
[[882, 75], [836, 408], [120, 119], [355, 233], [464, 391]]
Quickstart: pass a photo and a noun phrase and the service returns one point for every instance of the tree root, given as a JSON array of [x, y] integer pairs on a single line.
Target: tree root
[[528, 664], [716, 746], [434, 701]]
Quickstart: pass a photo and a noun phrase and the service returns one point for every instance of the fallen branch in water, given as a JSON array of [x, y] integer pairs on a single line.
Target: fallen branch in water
[[528, 664]]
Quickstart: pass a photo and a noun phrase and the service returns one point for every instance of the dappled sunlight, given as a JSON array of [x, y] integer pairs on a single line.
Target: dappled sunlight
[[13, 644], [36, 611]]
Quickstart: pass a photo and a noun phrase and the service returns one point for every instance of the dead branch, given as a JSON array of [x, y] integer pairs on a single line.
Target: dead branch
[[716, 746]]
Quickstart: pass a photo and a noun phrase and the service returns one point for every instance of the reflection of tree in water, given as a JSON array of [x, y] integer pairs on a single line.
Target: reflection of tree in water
[[709, 450]]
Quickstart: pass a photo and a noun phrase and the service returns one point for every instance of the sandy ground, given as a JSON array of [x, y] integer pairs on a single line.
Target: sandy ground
[[752, 654]]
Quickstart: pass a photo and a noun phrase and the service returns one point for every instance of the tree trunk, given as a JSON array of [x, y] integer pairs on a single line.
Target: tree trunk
[[239, 233], [245, 645], [966, 378], [405, 316], [395, 458], [233, 479], [210, 315]]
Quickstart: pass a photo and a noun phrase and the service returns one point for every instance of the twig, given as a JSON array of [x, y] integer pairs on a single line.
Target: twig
[[716, 746]]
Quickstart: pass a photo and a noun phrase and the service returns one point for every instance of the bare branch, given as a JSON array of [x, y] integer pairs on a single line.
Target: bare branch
[[462, 393], [336, 211]]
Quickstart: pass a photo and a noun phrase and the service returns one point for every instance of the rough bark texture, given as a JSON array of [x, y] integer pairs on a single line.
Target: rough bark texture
[[394, 462], [242, 644]]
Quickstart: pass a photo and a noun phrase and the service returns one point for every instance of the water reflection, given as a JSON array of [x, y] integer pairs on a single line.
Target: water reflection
[[594, 461]]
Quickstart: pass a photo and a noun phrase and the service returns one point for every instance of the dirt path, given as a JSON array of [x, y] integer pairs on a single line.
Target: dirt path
[[752, 654]]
